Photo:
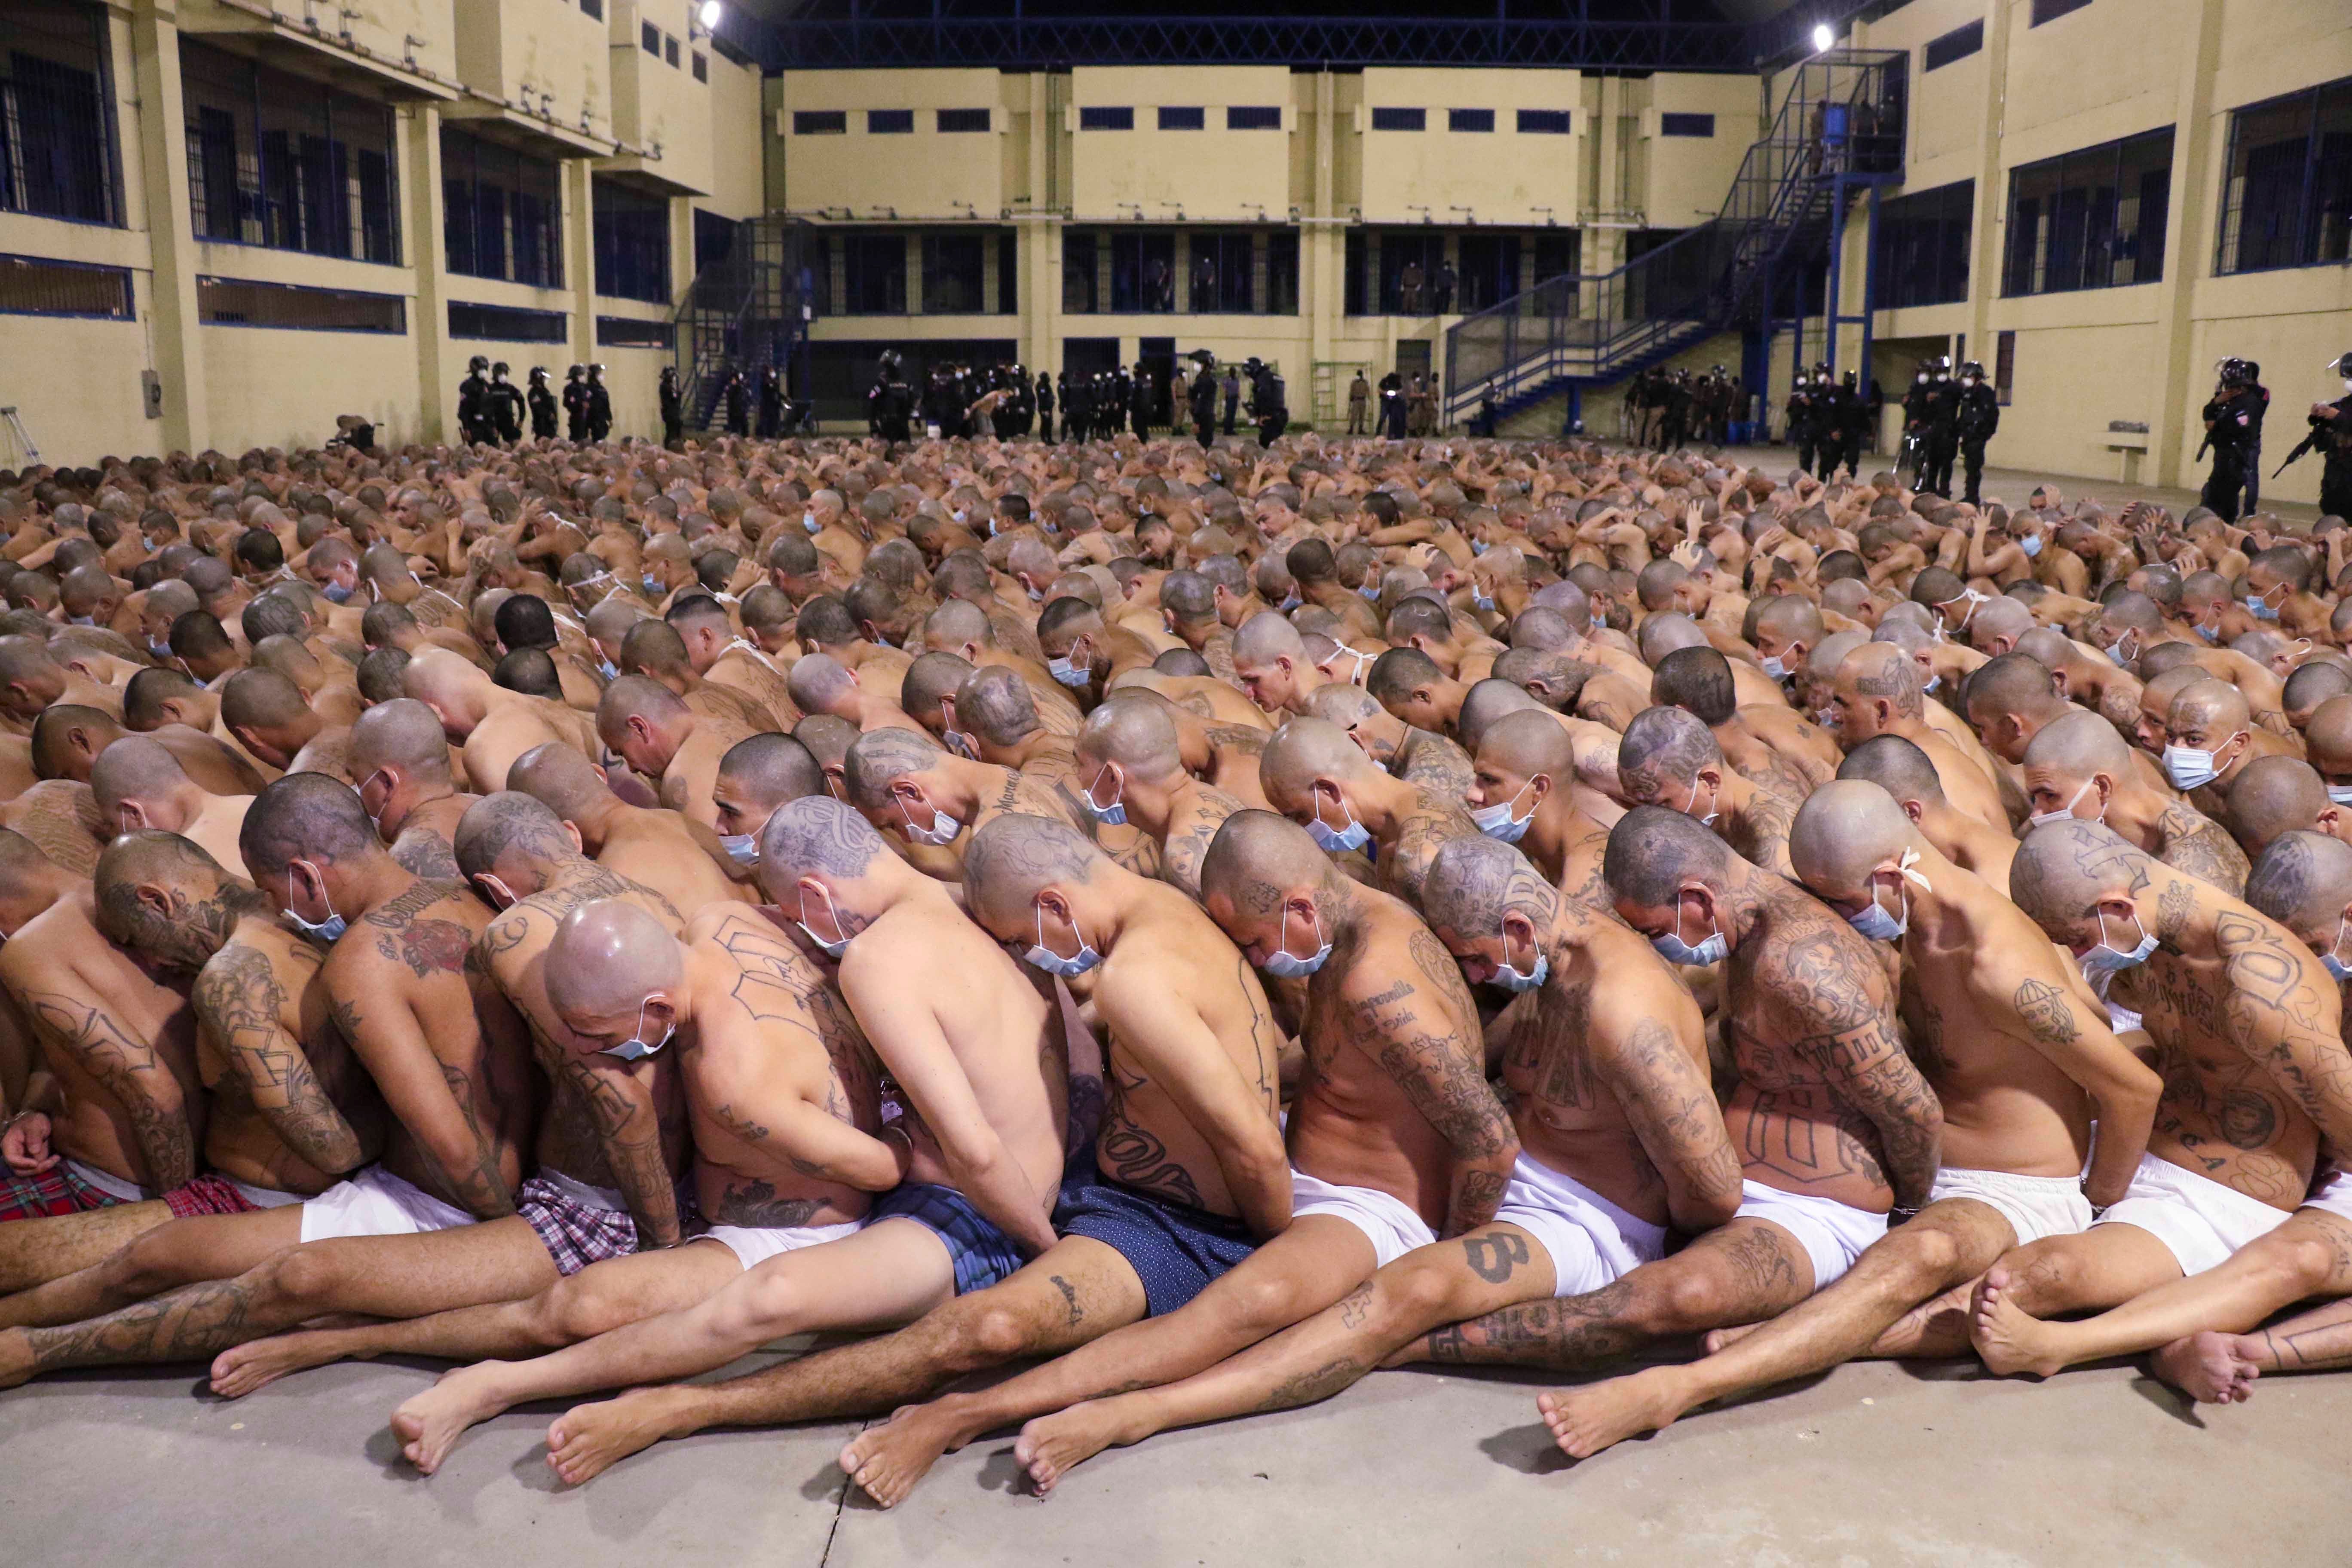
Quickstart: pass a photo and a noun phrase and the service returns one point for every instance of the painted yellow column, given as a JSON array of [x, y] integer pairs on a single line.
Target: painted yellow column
[[171, 229], [428, 317], [1991, 200], [2188, 240], [580, 255], [1323, 246]]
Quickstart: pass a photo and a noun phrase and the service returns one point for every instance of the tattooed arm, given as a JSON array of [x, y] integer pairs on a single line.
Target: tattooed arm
[[1423, 1028], [2288, 1017], [165, 1121], [2196, 846], [432, 1099], [1662, 1087], [2078, 1042], [1834, 1005], [238, 999]]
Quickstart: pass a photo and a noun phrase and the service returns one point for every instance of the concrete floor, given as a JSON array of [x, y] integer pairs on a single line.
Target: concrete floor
[[1876, 1465]]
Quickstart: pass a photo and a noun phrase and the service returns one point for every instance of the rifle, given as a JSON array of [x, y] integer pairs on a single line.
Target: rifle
[[2202, 447], [2309, 442]]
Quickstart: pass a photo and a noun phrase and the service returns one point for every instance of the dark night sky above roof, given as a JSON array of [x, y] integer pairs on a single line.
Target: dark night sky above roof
[[1519, 10]]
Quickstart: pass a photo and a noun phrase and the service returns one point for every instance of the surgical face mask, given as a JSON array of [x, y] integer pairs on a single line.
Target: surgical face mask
[[2031, 544], [1495, 821], [2189, 768], [1483, 601], [1053, 962], [82, 620], [942, 830], [2043, 818], [1290, 602], [833, 948], [1477, 547], [1283, 964], [1708, 820], [2210, 633], [808, 520], [743, 848], [324, 932], [2120, 649], [1067, 672], [959, 742], [1337, 840], [160, 649], [636, 1047], [2340, 793], [652, 585], [2337, 967], [1510, 978], [608, 669], [1114, 814], [1674, 950], [1872, 921], [2259, 607], [1972, 599], [1371, 591], [337, 593], [2104, 959], [1775, 666]]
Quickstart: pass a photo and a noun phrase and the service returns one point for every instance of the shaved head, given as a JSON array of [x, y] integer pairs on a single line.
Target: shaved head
[[2274, 796], [560, 778], [1653, 852], [2303, 882], [1897, 766], [513, 837], [820, 683], [994, 703], [305, 816], [1133, 730], [1474, 882], [880, 758], [608, 958], [1845, 830], [133, 768], [1306, 750], [1525, 745], [1663, 743], [402, 734], [1255, 858], [1015, 857], [816, 834], [2064, 869]]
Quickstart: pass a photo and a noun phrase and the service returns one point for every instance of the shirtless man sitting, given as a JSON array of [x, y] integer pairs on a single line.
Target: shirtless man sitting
[[1903, 771], [1395, 1139], [1668, 758], [492, 724], [1321, 780], [66, 739], [758, 773], [2012, 698], [781, 1098], [1618, 1141], [271, 719], [649, 844], [1878, 693], [2206, 1328], [1521, 794], [1270, 664], [2020, 1058], [1771, 745], [2247, 1020], [400, 760], [983, 1128], [1834, 1123], [820, 684], [651, 728], [1130, 771], [654, 649], [2079, 767], [900, 781], [32, 680], [2209, 739], [1082, 653], [141, 786], [1418, 756], [721, 657]]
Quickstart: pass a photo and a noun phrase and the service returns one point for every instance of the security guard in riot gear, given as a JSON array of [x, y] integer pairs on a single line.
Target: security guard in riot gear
[[1853, 416], [673, 408], [1977, 417], [1804, 417], [474, 402], [575, 403], [2331, 431], [1943, 437], [599, 404], [1268, 405], [1204, 398], [504, 402], [542, 405], [2233, 428], [889, 402]]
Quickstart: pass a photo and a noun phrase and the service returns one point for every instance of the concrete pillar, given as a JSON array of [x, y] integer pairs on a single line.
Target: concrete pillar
[[681, 248], [580, 255], [2188, 239], [1323, 245], [1991, 203], [171, 230], [428, 319], [1040, 239]]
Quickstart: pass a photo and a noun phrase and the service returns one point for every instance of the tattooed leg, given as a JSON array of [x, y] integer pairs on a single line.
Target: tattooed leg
[[214, 1247], [1301, 1271]]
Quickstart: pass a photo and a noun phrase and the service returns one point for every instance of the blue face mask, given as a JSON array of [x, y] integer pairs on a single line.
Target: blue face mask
[[1337, 840], [2104, 959], [808, 520], [1067, 672], [608, 669], [1283, 964], [652, 585], [160, 649], [636, 1049], [2335, 966], [1874, 921], [1483, 601], [1509, 977], [1371, 591], [323, 931], [832, 949], [1052, 963], [1497, 822], [336, 593], [1776, 666], [2031, 544], [1114, 814], [1674, 950], [2260, 608]]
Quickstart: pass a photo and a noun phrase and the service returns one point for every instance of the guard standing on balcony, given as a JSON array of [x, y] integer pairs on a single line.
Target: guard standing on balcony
[[672, 408], [542, 403], [504, 403], [599, 404], [1804, 417], [575, 403], [1979, 416], [1204, 398], [1269, 405], [473, 402], [2233, 426]]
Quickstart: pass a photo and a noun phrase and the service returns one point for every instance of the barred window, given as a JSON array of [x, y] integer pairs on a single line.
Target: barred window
[[890, 121], [2090, 220], [1956, 45], [1923, 246], [955, 119], [505, 323], [36, 286], [820, 121], [1470, 119], [1399, 119], [2286, 190], [1687, 125], [57, 129], [1174, 118], [503, 212], [1102, 117], [628, 332], [632, 242], [873, 274], [702, 66], [1543, 122], [1254, 116], [284, 163], [240, 302]]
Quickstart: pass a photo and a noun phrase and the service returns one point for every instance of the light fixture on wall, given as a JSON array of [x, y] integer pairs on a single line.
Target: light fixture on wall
[[1470, 214], [1822, 38], [1552, 219], [1416, 207], [702, 20]]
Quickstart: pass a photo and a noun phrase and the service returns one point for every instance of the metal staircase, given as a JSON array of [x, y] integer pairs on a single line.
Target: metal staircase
[[1838, 129], [747, 309]]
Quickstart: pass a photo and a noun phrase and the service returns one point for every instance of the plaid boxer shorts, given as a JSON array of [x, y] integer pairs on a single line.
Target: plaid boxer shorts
[[50, 1195], [575, 1231]]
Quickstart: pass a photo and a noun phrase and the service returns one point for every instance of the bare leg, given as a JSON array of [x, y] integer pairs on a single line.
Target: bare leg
[[1299, 1272], [382, 1277], [1491, 1267], [1075, 1290], [1948, 1241], [1935, 1330], [182, 1252], [1747, 1270], [600, 1297], [35, 1251], [2103, 1267], [2310, 1254]]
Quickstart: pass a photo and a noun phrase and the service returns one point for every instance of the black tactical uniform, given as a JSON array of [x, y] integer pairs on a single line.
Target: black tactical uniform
[[1204, 404], [575, 403], [1269, 405], [542, 405], [504, 402], [599, 404], [1980, 418], [673, 409], [473, 402], [1804, 420]]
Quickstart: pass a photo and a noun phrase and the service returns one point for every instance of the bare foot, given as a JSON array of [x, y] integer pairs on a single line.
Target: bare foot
[[1052, 1446], [430, 1424], [1718, 1338], [15, 1357], [240, 1369], [2210, 1368], [589, 1439], [2008, 1339], [1588, 1419], [886, 1461]]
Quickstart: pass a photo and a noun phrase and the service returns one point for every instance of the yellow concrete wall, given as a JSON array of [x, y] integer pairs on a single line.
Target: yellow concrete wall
[[658, 108], [380, 27], [75, 384], [1500, 177], [276, 389], [921, 176], [1683, 179], [1201, 175], [738, 144], [518, 53]]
